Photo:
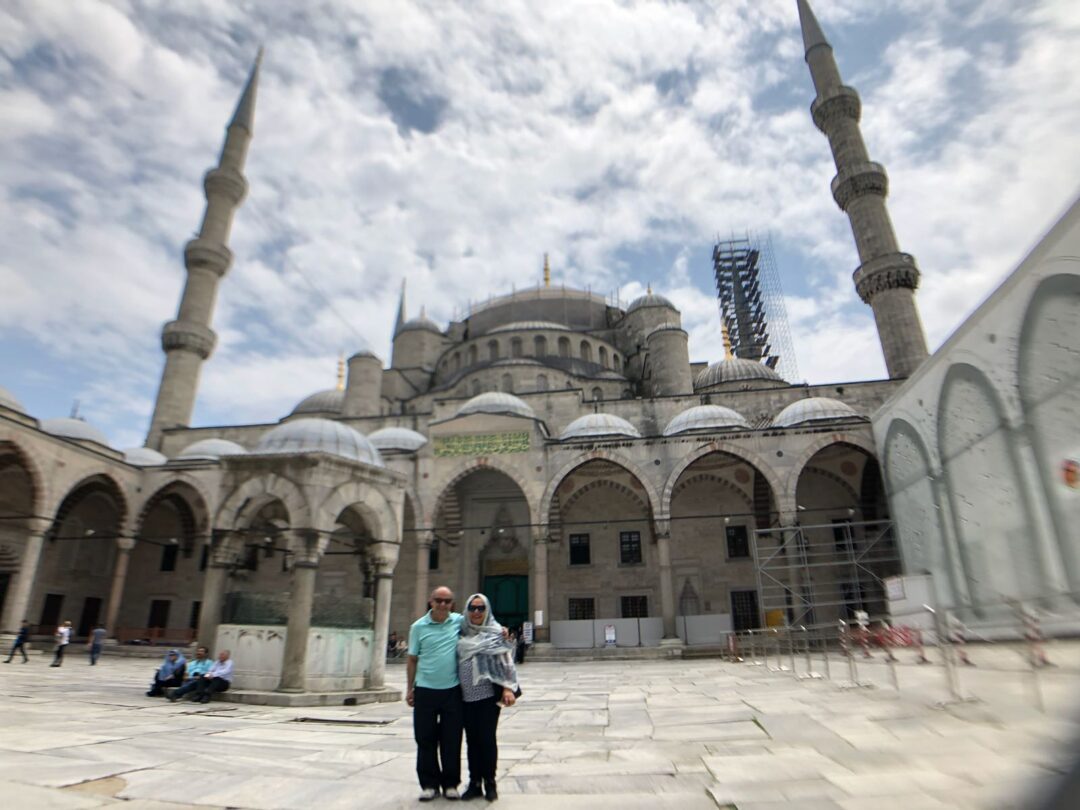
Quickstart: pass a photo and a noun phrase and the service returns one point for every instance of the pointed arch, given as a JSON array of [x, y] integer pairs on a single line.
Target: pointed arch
[[97, 482], [246, 500], [186, 489], [466, 468], [791, 483], [719, 446], [39, 484], [368, 501], [618, 459]]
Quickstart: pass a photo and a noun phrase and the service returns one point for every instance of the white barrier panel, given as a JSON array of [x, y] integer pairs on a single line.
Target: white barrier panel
[[570, 635], [705, 629]]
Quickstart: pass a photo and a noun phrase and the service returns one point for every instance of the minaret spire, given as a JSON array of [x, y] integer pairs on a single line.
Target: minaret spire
[[400, 311], [189, 340], [547, 271], [886, 279]]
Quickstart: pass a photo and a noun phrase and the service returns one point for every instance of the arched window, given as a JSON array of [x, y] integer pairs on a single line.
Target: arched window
[[476, 389], [586, 351], [603, 356], [472, 355], [597, 394], [515, 347], [507, 383], [493, 350], [457, 361], [540, 346], [564, 347], [615, 361], [541, 382]]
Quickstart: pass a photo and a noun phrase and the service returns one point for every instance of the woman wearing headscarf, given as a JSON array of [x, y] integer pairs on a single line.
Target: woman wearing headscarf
[[170, 673], [488, 682]]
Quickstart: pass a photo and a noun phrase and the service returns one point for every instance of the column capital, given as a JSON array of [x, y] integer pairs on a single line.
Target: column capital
[[384, 554], [541, 538], [662, 528], [307, 547], [125, 544]]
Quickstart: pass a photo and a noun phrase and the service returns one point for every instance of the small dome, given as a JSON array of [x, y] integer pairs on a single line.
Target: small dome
[[421, 323], [211, 449], [665, 327], [7, 400], [367, 353], [329, 401], [496, 402], [527, 325], [599, 424], [706, 417], [814, 409], [144, 457], [650, 299], [74, 429], [319, 436], [397, 438], [735, 369]]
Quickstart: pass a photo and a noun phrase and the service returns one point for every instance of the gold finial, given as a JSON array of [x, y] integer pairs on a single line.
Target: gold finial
[[341, 372], [547, 271], [648, 288], [727, 340]]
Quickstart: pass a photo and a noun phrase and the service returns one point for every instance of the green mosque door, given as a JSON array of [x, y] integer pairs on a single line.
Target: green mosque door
[[509, 595]]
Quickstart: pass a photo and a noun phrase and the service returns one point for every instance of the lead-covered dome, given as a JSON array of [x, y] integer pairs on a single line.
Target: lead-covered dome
[[69, 428], [650, 299], [518, 326], [211, 449], [814, 409], [329, 401], [706, 417], [599, 424], [319, 436], [421, 323], [8, 400], [397, 438], [144, 457], [735, 369], [496, 402]]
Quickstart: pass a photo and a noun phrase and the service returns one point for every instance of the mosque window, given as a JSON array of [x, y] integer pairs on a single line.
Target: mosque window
[[515, 348], [476, 387], [615, 361], [564, 347], [168, 557], [738, 542], [579, 549], [433, 556], [634, 607], [541, 382], [472, 355], [582, 609], [597, 394], [507, 383], [540, 346], [493, 350], [205, 558], [630, 549], [457, 361], [586, 351], [603, 356], [193, 617]]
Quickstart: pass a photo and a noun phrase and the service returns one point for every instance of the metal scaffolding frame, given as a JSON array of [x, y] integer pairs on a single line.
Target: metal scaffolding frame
[[819, 573]]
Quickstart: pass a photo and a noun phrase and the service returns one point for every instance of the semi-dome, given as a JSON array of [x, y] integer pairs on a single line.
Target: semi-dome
[[397, 438], [8, 400], [518, 326], [599, 424], [211, 449], [421, 323], [74, 429], [650, 299], [328, 401], [735, 369], [144, 457], [319, 436], [496, 402], [706, 417], [814, 409]]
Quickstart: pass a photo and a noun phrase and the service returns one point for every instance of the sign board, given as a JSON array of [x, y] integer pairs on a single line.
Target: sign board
[[862, 618], [538, 618], [527, 632], [609, 635], [894, 589]]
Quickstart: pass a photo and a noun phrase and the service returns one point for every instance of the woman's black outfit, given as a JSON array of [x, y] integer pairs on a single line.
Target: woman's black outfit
[[481, 721]]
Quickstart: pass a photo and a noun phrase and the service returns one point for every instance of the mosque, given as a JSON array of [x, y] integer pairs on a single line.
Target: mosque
[[550, 448]]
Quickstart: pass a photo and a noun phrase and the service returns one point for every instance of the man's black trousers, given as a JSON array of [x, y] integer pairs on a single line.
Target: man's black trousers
[[437, 728], [481, 723]]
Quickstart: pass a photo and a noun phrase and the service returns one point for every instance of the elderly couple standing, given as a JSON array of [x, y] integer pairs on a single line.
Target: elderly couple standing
[[461, 673]]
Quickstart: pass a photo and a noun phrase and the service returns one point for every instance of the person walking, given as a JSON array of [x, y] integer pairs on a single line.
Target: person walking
[[433, 690], [20, 643], [63, 638], [170, 673], [96, 642], [488, 682]]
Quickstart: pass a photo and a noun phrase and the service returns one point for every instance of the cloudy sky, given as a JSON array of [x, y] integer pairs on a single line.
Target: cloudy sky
[[453, 143]]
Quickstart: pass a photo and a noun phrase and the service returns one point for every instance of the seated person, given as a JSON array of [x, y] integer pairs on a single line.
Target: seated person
[[217, 679], [170, 673], [196, 671]]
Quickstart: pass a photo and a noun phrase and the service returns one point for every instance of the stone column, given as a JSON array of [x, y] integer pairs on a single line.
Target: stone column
[[306, 552], [124, 545], [217, 574], [662, 531], [423, 587], [1055, 584], [18, 603], [538, 582], [385, 557]]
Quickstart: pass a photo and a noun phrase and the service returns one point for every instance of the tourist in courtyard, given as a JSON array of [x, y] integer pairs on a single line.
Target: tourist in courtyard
[[488, 682], [196, 671], [170, 673], [96, 642], [20, 643], [216, 680], [433, 690], [63, 638]]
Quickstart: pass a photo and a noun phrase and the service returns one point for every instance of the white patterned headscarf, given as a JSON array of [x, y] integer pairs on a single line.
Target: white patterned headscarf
[[492, 655]]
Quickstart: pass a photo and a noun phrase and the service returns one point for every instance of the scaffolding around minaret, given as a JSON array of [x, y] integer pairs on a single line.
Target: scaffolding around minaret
[[752, 303]]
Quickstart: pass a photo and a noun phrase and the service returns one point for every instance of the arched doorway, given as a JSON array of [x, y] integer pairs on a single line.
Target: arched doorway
[[345, 581], [17, 502]]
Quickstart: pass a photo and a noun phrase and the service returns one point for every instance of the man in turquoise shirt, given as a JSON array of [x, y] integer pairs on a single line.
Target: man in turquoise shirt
[[433, 692]]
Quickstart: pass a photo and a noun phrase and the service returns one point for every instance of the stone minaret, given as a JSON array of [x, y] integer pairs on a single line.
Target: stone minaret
[[886, 279], [189, 340]]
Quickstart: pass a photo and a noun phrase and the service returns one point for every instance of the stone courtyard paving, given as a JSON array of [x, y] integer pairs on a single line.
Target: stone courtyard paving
[[618, 734]]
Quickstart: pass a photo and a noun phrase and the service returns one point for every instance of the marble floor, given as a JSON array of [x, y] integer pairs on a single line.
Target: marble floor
[[618, 734]]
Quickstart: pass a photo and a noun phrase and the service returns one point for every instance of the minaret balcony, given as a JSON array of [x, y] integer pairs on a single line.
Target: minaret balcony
[[854, 181], [841, 103], [202, 254], [188, 337], [225, 182], [890, 272]]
